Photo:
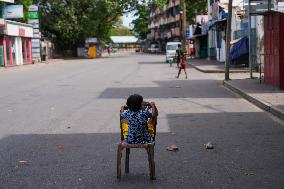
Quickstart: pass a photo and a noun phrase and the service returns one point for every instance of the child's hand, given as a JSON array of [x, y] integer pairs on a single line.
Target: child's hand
[[146, 104], [152, 104]]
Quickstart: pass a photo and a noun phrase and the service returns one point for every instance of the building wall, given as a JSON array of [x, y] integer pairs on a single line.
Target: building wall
[[164, 24], [16, 42]]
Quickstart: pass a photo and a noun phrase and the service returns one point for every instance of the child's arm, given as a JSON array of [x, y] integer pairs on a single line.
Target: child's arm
[[152, 106], [123, 108], [154, 109]]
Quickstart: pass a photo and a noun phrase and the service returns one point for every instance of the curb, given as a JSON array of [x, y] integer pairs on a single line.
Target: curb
[[264, 106], [50, 61], [215, 71]]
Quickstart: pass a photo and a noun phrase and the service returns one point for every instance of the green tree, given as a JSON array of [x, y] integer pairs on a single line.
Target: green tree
[[140, 24], [194, 8], [121, 31], [69, 22]]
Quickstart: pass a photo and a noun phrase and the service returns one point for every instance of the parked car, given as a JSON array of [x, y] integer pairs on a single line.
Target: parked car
[[171, 48], [154, 48]]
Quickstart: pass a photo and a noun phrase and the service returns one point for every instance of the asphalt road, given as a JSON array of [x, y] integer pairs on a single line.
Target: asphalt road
[[59, 128]]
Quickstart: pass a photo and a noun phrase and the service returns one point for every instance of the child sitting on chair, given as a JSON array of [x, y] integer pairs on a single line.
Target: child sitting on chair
[[136, 115]]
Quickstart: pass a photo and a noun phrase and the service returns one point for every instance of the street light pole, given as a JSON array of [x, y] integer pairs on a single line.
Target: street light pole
[[228, 40], [250, 44]]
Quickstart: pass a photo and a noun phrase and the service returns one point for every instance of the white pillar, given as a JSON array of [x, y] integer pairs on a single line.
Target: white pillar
[[18, 51]]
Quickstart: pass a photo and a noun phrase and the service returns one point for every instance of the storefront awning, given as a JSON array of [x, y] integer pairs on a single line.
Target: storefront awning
[[198, 36], [213, 24]]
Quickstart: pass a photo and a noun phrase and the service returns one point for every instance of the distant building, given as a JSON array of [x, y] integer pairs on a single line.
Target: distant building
[[165, 24], [125, 42]]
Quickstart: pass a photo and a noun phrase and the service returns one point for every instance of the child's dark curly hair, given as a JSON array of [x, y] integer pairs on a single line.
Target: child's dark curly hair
[[134, 102]]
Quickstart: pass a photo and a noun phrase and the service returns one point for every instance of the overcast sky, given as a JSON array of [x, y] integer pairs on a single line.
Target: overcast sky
[[127, 19]]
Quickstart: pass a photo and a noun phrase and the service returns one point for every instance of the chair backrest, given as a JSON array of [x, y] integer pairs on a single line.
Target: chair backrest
[[154, 123]]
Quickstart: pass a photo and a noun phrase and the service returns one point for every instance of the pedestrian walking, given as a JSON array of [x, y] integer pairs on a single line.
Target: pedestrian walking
[[182, 65], [178, 54]]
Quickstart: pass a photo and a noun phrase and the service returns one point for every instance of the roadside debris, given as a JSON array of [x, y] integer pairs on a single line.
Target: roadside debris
[[23, 162], [209, 146], [173, 148]]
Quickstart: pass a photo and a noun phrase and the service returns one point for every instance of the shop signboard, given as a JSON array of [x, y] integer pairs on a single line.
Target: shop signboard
[[18, 30], [187, 35], [33, 8], [36, 30], [36, 50], [37, 35], [13, 11], [8, 1], [36, 54], [35, 21], [35, 40], [33, 15], [35, 26], [35, 44], [91, 40]]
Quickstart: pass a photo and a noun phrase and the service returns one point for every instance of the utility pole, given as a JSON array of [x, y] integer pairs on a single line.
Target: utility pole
[[250, 43], [183, 21], [228, 40]]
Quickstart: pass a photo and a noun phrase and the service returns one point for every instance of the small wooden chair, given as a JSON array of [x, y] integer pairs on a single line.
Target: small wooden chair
[[149, 147]]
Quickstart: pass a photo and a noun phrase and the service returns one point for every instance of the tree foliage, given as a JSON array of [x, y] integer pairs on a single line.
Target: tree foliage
[[121, 31], [70, 22], [194, 8], [140, 24], [142, 14]]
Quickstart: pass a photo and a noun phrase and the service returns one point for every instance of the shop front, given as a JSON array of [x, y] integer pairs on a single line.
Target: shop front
[[15, 43]]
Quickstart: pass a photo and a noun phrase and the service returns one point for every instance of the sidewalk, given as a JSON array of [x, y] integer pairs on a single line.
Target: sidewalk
[[50, 61], [266, 97], [212, 66]]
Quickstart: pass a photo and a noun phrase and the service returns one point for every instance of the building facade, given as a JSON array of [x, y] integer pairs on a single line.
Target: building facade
[[165, 24], [15, 43], [217, 15]]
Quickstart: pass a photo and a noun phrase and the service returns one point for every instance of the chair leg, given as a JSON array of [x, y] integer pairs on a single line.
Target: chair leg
[[127, 160], [118, 165], [150, 160], [153, 170]]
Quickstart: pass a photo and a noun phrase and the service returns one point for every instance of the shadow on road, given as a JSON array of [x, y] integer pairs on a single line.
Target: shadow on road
[[173, 89], [248, 152]]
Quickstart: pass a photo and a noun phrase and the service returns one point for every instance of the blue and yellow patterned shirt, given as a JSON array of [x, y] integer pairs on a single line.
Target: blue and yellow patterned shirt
[[138, 132]]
